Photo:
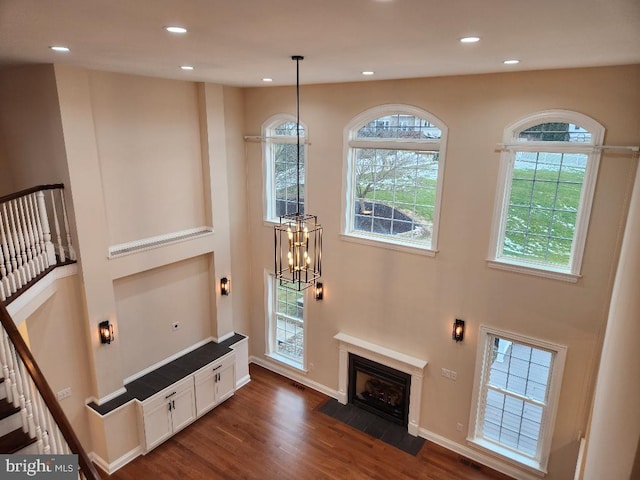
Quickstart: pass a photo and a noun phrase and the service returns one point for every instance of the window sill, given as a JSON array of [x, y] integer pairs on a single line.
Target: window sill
[[531, 270], [287, 362], [389, 244], [510, 456]]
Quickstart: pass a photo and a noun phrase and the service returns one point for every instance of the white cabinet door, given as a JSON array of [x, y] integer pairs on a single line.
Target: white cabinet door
[[183, 408], [215, 383], [205, 390], [226, 384], [157, 422]]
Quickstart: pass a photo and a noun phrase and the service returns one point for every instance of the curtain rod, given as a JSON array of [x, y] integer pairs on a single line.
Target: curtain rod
[[629, 148]]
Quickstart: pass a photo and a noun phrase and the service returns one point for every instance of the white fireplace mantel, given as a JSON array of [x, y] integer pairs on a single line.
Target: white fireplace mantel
[[405, 363]]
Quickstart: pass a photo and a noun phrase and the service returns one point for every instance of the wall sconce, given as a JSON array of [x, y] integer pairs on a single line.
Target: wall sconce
[[319, 292], [225, 286], [458, 330], [106, 332]]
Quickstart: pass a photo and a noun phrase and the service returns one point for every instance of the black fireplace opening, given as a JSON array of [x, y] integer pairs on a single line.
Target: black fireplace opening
[[379, 389]]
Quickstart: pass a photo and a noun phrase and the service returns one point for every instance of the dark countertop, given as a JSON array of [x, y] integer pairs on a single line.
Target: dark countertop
[[159, 379]]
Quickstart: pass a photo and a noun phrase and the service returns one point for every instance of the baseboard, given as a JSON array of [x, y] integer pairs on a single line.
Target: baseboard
[[224, 337], [111, 396], [170, 359], [476, 456], [112, 467], [290, 374], [243, 381]]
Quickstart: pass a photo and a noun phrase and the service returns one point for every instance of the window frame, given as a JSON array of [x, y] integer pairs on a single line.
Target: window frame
[[268, 164], [539, 464], [271, 284], [511, 146], [351, 142]]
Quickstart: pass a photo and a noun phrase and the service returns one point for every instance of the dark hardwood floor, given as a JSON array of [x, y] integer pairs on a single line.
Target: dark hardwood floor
[[271, 429]]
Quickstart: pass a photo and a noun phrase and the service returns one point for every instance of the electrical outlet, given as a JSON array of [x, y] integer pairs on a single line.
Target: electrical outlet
[[175, 326], [64, 393], [446, 373], [453, 375]]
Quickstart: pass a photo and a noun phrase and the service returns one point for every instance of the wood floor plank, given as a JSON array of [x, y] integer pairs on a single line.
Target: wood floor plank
[[271, 429]]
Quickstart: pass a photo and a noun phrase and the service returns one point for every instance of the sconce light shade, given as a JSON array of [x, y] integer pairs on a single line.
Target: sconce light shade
[[319, 291], [106, 332], [458, 330], [225, 286]]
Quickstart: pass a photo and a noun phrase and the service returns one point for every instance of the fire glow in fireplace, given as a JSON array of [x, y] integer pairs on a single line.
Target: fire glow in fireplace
[[379, 389]]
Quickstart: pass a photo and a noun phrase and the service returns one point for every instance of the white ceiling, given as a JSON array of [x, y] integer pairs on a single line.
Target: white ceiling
[[238, 42]]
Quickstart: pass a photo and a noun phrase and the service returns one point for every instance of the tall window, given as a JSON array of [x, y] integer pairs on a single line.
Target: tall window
[[286, 325], [394, 169], [515, 396], [281, 173], [549, 168]]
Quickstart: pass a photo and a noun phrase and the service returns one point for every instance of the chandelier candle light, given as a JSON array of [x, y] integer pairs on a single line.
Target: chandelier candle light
[[298, 236]]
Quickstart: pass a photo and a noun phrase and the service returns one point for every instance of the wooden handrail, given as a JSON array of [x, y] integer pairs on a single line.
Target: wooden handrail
[[28, 191], [86, 466]]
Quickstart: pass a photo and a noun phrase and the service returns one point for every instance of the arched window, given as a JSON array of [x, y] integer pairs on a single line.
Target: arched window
[[280, 166], [547, 178], [393, 180]]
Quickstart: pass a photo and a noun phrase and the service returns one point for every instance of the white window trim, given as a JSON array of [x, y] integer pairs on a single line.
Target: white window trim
[[539, 466], [270, 289], [503, 191], [350, 142], [268, 166]]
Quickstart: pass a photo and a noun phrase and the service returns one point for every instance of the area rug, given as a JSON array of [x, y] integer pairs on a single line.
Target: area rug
[[388, 432]]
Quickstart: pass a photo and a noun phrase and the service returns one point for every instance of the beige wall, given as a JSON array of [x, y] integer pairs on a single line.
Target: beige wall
[[57, 340], [148, 303], [408, 302], [149, 147], [31, 147]]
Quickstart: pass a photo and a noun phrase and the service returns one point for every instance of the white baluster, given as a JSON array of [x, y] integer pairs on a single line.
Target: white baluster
[[5, 367], [15, 359], [3, 277], [51, 429], [37, 234], [43, 425], [33, 239], [72, 251], [15, 399], [12, 251], [8, 277], [28, 394], [56, 225], [36, 208], [28, 240], [36, 417], [46, 232], [18, 241]]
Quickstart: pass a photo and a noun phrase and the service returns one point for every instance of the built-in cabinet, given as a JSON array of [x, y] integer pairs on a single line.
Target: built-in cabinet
[[168, 412], [178, 405], [214, 383]]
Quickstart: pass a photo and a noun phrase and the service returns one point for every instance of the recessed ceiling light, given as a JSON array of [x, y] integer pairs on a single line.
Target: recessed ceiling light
[[368, 72], [59, 48], [186, 67], [511, 62], [175, 29], [469, 39], [266, 79]]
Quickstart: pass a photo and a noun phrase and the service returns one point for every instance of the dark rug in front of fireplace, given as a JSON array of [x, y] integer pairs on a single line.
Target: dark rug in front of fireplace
[[388, 432]]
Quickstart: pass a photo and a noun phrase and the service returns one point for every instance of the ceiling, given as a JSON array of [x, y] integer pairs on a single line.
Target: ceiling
[[238, 42]]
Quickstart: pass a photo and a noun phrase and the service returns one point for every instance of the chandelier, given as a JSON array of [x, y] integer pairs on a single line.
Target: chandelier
[[298, 236]]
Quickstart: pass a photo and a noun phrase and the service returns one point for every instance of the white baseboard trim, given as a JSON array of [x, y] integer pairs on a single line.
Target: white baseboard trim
[[285, 372], [112, 467], [111, 396], [242, 381], [164, 361], [476, 456]]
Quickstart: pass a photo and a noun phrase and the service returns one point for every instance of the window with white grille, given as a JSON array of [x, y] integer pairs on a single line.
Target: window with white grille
[[516, 393], [547, 179], [286, 324], [393, 176], [281, 168]]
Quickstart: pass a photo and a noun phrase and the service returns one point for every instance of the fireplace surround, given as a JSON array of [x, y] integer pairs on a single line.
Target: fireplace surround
[[412, 366]]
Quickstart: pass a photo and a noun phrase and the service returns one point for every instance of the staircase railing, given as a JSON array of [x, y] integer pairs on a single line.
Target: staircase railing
[[28, 247], [28, 390]]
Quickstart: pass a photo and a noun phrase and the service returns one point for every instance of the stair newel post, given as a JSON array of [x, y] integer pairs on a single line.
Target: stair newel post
[[46, 232], [28, 237], [6, 271], [37, 233], [72, 251], [21, 254], [56, 225], [12, 250], [28, 394], [5, 367]]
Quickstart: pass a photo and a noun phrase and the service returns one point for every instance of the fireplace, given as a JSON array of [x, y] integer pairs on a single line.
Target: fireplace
[[379, 389]]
